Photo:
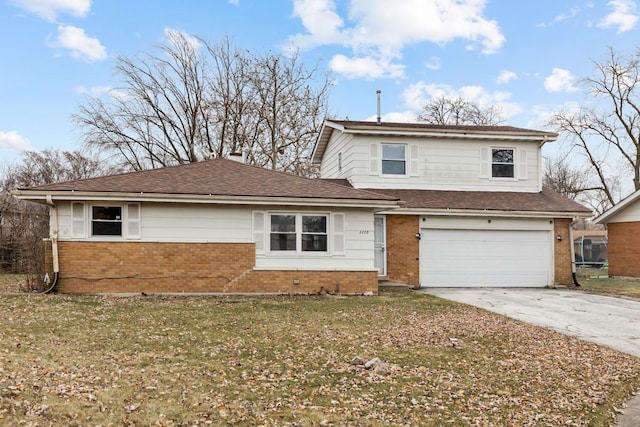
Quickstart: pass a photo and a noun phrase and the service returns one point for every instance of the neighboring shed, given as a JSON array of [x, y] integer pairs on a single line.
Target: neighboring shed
[[623, 235]]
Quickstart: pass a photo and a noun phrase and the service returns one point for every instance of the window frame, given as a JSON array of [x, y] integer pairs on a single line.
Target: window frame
[[493, 163], [299, 232], [121, 221], [383, 159]]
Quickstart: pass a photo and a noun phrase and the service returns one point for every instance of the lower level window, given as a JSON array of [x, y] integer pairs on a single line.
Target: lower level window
[[300, 233], [106, 221]]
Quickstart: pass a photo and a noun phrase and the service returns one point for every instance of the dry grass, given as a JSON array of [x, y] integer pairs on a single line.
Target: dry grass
[[596, 280], [80, 360]]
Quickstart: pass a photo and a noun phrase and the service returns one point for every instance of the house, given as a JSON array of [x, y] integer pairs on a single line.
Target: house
[[418, 204], [215, 226], [474, 212], [623, 230]]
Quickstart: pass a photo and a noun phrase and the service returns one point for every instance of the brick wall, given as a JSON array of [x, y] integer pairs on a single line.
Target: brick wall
[[403, 249], [562, 252], [624, 249], [134, 267]]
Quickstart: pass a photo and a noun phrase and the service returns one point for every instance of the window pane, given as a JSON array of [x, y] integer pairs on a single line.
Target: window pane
[[106, 228], [502, 171], [107, 213], [393, 167], [314, 224], [314, 242], [393, 152], [283, 242], [283, 223], [502, 156]]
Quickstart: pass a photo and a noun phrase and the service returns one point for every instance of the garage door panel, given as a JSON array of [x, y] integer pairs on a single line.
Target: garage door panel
[[503, 258]]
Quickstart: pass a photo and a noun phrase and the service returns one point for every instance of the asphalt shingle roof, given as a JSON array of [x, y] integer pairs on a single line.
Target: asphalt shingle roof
[[544, 201], [219, 177]]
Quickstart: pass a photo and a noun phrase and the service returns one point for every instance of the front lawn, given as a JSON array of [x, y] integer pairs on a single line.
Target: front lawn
[[283, 360], [597, 280]]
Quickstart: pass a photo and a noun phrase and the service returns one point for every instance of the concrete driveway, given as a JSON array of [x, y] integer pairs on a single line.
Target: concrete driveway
[[610, 321]]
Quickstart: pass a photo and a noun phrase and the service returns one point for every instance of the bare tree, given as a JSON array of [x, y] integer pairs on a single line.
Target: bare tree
[[289, 111], [458, 111], [606, 130], [562, 177], [23, 225], [190, 100], [563, 174]]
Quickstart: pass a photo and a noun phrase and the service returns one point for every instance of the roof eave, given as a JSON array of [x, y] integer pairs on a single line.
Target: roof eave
[[606, 216], [41, 197], [488, 213]]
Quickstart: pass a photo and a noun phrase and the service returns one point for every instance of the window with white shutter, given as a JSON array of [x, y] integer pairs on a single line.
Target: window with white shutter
[[133, 221], [78, 220], [258, 231]]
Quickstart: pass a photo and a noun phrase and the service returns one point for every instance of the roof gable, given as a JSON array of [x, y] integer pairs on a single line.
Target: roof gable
[[624, 204]]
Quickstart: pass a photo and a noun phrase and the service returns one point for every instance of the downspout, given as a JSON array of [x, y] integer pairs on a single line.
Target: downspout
[[573, 254], [53, 235]]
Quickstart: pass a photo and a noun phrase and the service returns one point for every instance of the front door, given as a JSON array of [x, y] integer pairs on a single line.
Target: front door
[[380, 243]]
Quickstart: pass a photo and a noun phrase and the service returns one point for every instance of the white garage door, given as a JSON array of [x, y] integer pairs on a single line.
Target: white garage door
[[495, 258]]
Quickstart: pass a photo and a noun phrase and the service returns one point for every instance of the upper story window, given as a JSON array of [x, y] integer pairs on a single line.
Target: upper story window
[[502, 163], [300, 233], [394, 159], [106, 221]]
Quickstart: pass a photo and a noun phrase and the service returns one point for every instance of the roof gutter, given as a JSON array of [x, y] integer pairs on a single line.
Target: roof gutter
[[41, 196]]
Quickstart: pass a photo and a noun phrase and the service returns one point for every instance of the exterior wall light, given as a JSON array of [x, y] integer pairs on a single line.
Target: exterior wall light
[[559, 237]]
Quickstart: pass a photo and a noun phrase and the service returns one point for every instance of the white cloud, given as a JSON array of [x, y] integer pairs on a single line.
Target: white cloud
[[366, 67], [562, 17], [560, 80], [96, 91], [506, 76], [234, 2], [12, 140], [176, 36], [377, 29], [434, 63], [624, 15], [50, 9], [396, 117], [80, 45], [418, 94]]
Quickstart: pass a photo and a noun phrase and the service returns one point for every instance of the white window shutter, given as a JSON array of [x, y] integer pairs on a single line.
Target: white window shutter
[[338, 233], [259, 231], [78, 220], [485, 162], [133, 221], [414, 163], [374, 159], [522, 164]]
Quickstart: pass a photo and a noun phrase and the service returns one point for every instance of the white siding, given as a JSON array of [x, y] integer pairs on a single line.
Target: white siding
[[196, 223], [340, 143], [444, 164], [180, 223], [630, 213], [358, 253]]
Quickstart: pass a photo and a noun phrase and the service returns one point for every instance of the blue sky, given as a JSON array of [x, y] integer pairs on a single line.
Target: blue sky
[[523, 56]]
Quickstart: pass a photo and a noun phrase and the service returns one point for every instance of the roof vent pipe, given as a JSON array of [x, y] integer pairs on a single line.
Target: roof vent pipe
[[378, 95]]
